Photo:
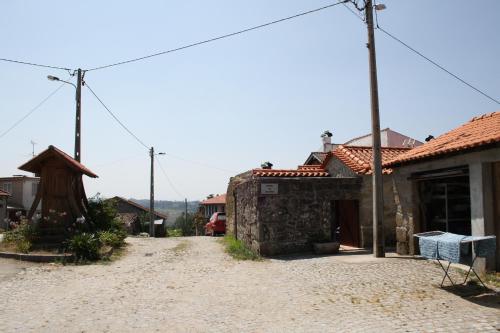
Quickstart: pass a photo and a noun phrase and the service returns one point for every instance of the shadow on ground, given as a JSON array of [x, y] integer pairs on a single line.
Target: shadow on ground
[[476, 293]]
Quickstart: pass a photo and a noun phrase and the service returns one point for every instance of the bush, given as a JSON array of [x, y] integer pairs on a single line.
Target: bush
[[114, 239], [238, 250], [85, 246], [21, 237], [174, 232]]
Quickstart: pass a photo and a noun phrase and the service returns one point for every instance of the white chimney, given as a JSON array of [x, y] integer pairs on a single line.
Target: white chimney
[[326, 138]]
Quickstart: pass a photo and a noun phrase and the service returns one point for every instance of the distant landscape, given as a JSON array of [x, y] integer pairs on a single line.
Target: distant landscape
[[172, 208]]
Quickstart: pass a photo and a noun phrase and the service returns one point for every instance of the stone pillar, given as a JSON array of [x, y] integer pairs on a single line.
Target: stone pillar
[[481, 199]]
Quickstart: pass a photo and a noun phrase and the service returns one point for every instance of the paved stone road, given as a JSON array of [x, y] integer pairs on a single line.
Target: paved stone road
[[190, 285]]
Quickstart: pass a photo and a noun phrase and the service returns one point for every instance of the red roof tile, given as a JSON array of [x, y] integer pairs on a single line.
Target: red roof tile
[[359, 159], [4, 194], [479, 131], [305, 172], [34, 165], [217, 200]]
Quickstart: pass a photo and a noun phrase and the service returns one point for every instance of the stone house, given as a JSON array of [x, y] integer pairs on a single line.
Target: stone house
[[282, 211], [22, 191], [213, 205], [3, 210], [130, 214], [451, 183]]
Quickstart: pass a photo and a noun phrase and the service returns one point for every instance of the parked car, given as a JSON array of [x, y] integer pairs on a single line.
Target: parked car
[[216, 225]]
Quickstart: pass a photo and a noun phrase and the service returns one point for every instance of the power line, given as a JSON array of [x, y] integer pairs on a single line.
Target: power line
[[438, 65], [31, 111], [168, 179], [34, 64], [116, 118], [219, 37], [202, 164]]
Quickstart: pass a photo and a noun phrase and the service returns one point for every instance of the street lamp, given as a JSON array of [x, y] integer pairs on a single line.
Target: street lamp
[[152, 194], [78, 98]]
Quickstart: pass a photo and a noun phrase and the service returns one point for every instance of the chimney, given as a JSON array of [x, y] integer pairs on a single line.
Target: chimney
[[266, 165], [326, 137]]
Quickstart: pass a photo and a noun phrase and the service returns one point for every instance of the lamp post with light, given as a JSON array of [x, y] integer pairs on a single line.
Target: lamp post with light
[[78, 98], [152, 194]]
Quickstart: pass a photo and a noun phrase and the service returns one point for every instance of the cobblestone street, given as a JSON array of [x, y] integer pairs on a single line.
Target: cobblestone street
[[190, 285]]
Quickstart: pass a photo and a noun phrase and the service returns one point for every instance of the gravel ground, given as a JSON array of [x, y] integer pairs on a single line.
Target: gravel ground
[[190, 285]]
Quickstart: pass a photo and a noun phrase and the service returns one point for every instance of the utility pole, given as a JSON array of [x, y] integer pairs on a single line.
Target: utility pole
[[152, 196], [378, 200], [186, 210], [78, 116]]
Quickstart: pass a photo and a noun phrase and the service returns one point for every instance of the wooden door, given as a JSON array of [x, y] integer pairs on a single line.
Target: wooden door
[[345, 220]]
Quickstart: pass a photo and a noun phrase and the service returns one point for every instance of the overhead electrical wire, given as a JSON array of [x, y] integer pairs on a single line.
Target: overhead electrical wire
[[116, 118], [34, 64], [168, 179], [438, 65], [219, 37], [4, 133]]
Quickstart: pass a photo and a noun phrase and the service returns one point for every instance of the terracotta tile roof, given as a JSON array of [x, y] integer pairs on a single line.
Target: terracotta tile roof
[[217, 200], [359, 159], [302, 171], [4, 194], [479, 131], [35, 164]]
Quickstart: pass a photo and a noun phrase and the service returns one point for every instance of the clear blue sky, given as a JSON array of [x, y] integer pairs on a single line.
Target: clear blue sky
[[265, 95]]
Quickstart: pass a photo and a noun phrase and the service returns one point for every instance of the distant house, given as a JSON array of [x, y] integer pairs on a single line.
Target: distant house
[[22, 191], [451, 183], [213, 205], [130, 213], [282, 211], [388, 138], [4, 224]]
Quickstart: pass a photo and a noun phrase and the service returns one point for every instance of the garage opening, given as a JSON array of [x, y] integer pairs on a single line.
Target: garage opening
[[445, 201]]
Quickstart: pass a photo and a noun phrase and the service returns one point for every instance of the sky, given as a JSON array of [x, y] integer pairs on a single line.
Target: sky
[[225, 107]]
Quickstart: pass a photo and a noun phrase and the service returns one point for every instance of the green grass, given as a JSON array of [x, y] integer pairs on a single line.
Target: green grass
[[174, 232], [238, 250]]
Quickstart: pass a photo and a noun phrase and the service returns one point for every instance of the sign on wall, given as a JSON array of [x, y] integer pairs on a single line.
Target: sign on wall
[[268, 188]]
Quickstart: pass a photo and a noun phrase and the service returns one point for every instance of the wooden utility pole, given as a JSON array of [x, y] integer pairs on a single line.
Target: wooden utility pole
[[152, 196], [186, 210], [378, 200], [78, 116]]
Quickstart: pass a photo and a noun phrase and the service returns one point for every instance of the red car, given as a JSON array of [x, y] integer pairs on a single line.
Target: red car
[[216, 224]]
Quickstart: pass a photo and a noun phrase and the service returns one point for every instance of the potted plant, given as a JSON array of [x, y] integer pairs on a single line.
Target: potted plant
[[322, 244]]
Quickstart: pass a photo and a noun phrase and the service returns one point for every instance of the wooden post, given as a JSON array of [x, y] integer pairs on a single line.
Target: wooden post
[[378, 203], [152, 196], [78, 155]]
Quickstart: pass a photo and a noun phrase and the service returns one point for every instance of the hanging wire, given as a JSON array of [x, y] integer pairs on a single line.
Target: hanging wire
[[168, 179], [116, 118], [219, 37], [34, 64], [29, 113]]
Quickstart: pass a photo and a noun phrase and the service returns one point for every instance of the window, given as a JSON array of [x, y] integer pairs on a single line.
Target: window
[[7, 187]]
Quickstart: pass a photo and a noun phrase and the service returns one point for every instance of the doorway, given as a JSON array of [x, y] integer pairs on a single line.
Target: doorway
[[345, 222]]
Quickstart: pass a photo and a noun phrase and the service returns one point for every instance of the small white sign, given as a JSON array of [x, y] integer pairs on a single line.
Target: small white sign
[[268, 188]]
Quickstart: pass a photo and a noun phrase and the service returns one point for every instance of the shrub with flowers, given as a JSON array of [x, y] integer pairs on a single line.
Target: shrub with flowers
[[21, 236]]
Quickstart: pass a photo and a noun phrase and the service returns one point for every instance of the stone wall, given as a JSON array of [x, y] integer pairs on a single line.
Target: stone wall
[[366, 212], [245, 214], [233, 182], [285, 222]]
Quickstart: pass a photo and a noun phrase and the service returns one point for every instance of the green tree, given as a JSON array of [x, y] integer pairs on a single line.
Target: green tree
[[186, 225]]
